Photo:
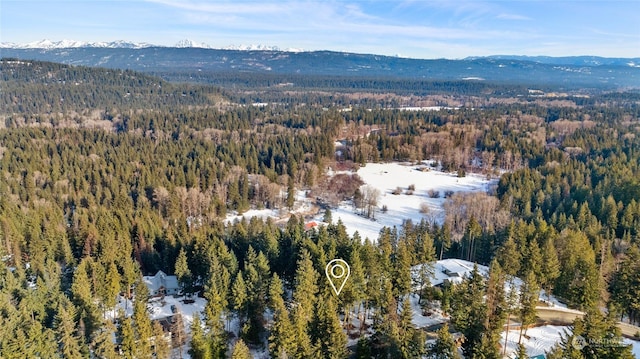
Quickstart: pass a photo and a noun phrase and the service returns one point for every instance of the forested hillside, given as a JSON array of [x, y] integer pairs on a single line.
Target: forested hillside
[[33, 87], [86, 210], [207, 64]]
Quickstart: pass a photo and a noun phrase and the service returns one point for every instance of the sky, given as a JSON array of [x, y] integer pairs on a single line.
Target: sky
[[409, 28]]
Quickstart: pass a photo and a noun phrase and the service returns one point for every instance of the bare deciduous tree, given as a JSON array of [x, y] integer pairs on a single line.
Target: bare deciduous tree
[[267, 193], [161, 199], [370, 198], [339, 188], [194, 204], [461, 207]]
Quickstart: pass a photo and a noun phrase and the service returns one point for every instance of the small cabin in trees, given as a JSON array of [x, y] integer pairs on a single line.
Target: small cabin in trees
[[173, 327], [161, 284]]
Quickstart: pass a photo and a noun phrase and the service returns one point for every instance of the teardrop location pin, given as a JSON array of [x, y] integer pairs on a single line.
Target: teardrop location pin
[[337, 272]]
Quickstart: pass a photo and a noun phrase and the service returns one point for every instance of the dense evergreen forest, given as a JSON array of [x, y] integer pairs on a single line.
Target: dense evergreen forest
[[108, 175], [317, 82]]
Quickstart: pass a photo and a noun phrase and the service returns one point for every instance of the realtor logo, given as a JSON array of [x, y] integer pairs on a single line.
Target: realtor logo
[[579, 342]]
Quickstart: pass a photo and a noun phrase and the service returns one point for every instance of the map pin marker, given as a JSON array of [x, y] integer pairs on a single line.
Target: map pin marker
[[337, 272]]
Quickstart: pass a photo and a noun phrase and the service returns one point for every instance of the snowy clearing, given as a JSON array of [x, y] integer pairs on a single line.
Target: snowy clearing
[[433, 315], [259, 213], [302, 206], [386, 177], [161, 308]]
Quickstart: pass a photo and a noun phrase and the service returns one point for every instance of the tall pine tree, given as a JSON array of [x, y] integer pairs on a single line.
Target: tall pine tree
[[281, 339], [329, 339], [69, 341], [444, 347], [142, 322]]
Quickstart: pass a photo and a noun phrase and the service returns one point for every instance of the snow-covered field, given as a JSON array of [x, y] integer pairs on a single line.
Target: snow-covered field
[[386, 177], [457, 268], [161, 308], [538, 340], [635, 346]]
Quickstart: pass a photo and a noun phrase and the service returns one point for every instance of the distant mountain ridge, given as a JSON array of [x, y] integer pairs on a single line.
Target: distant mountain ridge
[[195, 62], [47, 44], [69, 44], [573, 60]]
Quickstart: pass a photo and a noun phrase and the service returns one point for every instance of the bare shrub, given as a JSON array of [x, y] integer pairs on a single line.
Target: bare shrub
[[340, 187], [412, 187], [346, 166], [346, 185], [424, 208], [397, 191], [448, 193], [433, 193]]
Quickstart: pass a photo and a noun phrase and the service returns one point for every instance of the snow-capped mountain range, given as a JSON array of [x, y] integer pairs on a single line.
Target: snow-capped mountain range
[[261, 48], [190, 43], [121, 44], [67, 44]]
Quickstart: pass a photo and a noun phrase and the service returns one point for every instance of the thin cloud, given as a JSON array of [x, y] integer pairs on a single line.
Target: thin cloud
[[614, 35], [331, 18], [228, 8], [505, 16], [427, 32]]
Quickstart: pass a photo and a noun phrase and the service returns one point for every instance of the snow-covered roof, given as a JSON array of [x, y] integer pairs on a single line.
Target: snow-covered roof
[[160, 280], [452, 270], [455, 267]]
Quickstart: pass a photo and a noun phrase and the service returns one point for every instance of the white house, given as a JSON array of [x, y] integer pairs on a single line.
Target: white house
[[161, 284], [451, 271]]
